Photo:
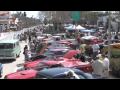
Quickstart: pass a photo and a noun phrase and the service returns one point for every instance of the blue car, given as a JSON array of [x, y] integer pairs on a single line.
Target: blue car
[[60, 73], [1, 69]]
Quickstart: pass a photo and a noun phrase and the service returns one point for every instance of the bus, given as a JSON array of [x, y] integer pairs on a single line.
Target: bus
[[9, 49]]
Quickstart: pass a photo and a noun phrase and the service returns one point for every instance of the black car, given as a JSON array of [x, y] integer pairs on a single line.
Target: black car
[[60, 73], [1, 69]]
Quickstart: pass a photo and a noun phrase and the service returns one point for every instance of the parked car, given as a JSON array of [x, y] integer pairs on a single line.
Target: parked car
[[1, 69], [61, 73], [56, 52], [67, 56], [25, 74], [71, 53]]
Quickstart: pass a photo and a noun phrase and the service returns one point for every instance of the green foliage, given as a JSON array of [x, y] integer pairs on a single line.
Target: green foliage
[[26, 21]]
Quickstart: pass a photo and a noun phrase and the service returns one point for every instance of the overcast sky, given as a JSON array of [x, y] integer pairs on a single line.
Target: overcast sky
[[29, 13]]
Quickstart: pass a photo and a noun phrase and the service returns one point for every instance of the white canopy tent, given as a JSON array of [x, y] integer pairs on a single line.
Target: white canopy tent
[[73, 27], [79, 27]]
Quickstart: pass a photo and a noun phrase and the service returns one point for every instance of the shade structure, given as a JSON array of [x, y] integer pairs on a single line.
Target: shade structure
[[71, 27], [87, 30], [79, 27], [89, 37]]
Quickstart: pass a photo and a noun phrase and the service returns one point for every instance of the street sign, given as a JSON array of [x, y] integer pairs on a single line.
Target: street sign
[[75, 15]]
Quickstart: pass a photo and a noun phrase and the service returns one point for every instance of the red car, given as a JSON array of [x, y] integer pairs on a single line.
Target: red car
[[67, 56], [85, 66], [71, 53], [66, 61], [26, 74]]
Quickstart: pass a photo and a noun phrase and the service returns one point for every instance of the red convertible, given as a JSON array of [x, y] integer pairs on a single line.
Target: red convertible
[[25, 74], [66, 61]]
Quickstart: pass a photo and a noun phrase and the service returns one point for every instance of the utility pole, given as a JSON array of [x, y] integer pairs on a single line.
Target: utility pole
[[109, 36]]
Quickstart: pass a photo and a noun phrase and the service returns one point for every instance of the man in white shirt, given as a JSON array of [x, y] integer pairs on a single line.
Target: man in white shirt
[[106, 65], [98, 67]]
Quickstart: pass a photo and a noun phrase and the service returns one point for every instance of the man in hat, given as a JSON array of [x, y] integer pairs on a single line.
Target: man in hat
[[98, 66]]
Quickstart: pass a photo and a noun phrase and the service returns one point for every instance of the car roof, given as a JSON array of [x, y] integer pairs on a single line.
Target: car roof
[[52, 72], [9, 41]]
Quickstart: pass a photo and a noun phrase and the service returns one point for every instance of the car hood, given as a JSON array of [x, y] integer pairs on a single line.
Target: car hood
[[26, 74], [32, 64]]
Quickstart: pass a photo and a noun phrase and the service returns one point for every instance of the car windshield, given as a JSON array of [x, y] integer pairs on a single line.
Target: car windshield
[[6, 46]]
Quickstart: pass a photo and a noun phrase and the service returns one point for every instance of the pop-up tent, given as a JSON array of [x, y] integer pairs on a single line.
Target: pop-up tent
[[74, 27], [71, 27], [79, 27]]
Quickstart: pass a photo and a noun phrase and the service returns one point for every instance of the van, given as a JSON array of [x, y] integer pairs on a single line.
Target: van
[[9, 49]]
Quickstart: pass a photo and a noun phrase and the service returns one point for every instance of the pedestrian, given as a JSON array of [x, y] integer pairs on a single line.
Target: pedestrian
[[116, 36], [106, 64], [98, 66], [29, 38], [26, 52], [32, 47], [26, 47], [82, 47], [95, 48], [78, 41], [88, 50]]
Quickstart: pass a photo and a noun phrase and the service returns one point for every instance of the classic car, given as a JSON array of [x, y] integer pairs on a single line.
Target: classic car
[[25, 74], [62, 73]]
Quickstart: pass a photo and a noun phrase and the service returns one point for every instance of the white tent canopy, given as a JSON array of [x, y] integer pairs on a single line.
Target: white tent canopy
[[73, 27], [80, 27]]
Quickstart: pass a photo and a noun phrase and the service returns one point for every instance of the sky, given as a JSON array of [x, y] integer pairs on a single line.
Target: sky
[[29, 13]]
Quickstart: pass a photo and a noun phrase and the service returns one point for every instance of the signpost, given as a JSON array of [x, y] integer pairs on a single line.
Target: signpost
[[75, 15], [109, 35]]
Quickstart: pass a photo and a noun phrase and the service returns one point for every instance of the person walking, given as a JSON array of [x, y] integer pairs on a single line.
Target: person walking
[[98, 66], [26, 52], [95, 48], [106, 64]]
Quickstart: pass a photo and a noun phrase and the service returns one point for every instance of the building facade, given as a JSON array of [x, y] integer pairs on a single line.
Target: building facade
[[4, 20]]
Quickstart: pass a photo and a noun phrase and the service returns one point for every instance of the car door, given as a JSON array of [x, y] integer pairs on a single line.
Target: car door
[[61, 76]]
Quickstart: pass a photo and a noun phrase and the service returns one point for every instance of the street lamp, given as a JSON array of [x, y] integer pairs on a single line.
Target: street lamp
[[109, 36]]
